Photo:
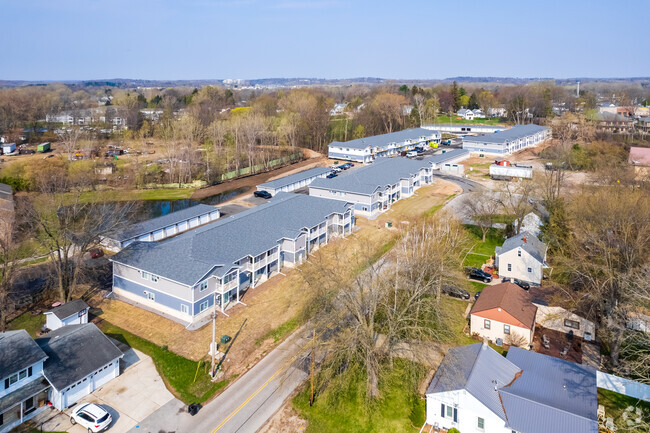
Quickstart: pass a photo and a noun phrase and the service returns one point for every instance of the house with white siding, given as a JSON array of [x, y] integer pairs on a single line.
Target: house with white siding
[[392, 144], [207, 269], [464, 128], [522, 257], [475, 389], [294, 181], [71, 313], [512, 140], [162, 227]]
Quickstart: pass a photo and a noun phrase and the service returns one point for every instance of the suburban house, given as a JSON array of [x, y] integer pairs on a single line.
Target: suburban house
[[459, 128], [189, 276], [562, 320], [162, 227], [615, 123], [522, 257], [368, 149], [374, 188], [466, 114], [60, 368], [476, 389], [509, 141], [504, 313], [532, 223], [338, 109], [294, 181], [73, 313]]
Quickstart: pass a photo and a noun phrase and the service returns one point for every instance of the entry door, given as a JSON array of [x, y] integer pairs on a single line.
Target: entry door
[[28, 405]]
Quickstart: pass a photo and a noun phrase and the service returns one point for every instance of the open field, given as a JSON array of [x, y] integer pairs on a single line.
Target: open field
[[273, 309], [460, 120]]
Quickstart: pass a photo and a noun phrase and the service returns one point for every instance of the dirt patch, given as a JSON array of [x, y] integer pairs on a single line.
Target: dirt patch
[[285, 420], [315, 160]]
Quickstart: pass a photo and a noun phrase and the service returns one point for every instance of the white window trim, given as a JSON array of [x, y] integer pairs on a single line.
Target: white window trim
[[203, 306]]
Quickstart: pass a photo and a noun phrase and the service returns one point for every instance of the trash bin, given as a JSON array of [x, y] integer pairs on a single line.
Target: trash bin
[[193, 408], [225, 339]]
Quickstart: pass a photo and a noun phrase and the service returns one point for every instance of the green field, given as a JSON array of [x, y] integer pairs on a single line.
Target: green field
[[460, 120], [481, 251], [29, 322]]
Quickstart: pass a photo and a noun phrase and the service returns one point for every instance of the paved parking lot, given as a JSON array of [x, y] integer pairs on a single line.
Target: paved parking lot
[[134, 395]]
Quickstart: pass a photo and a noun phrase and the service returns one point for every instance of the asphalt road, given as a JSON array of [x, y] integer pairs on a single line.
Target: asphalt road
[[247, 404], [466, 184]]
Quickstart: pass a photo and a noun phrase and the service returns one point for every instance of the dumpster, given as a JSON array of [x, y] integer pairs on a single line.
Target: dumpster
[[225, 339]]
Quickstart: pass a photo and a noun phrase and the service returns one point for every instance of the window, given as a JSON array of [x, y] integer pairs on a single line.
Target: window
[[481, 423], [518, 255], [509, 267], [154, 278], [506, 329], [450, 411], [203, 286], [151, 296], [530, 270], [144, 275], [572, 324], [22, 375], [486, 324], [185, 309], [203, 306]]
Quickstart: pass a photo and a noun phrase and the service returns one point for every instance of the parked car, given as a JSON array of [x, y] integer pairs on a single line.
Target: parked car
[[524, 285], [337, 169], [349, 164], [26, 152], [478, 274], [454, 291], [411, 154], [477, 295], [96, 253], [343, 166], [331, 175], [262, 194], [92, 417]]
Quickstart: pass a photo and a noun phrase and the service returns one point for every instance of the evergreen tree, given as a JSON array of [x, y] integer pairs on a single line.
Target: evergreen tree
[[455, 93], [473, 102]]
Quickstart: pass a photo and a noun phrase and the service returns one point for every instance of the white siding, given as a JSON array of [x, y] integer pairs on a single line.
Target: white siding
[[519, 266], [469, 410], [477, 326]]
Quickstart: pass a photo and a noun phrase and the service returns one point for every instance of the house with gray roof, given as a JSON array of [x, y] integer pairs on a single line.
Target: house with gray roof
[[369, 148], [162, 227], [465, 128], [477, 389], [71, 313], [294, 181], [523, 257], [374, 188], [511, 140], [189, 276]]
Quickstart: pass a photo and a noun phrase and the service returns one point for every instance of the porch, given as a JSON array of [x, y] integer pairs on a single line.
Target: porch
[[23, 404]]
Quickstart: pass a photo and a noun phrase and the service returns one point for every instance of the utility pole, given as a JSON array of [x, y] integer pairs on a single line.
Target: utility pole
[[213, 345], [311, 372]]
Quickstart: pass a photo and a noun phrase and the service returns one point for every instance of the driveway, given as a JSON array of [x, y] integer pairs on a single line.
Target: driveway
[[129, 398]]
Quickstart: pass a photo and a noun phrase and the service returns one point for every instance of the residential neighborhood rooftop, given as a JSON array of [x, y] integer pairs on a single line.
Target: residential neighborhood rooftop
[[17, 352], [214, 247], [64, 366], [295, 178], [514, 133], [526, 241], [510, 298], [68, 309], [382, 140]]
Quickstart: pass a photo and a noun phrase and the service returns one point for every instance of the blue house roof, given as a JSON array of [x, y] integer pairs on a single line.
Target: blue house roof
[[295, 178], [215, 247], [501, 137], [417, 134]]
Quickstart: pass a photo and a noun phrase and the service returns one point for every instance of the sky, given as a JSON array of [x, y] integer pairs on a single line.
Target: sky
[[218, 39]]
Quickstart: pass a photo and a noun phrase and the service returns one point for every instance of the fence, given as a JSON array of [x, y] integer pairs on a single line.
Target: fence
[[259, 167], [623, 386]]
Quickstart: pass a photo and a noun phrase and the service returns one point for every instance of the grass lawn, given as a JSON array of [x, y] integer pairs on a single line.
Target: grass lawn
[[455, 309], [29, 322], [460, 120], [281, 331], [138, 194], [481, 251], [343, 408], [616, 403], [180, 374]]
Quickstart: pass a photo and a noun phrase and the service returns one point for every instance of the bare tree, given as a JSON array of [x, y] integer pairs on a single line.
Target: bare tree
[[482, 209], [70, 138], [388, 107], [517, 200]]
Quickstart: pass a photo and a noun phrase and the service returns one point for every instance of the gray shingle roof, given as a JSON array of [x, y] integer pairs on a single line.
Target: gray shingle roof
[[367, 179], [478, 369], [188, 257], [551, 395], [417, 134], [17, 352], [74, 352], [532, 245], [162, 221], [441, 158], [614, 117], [5, 191], [514, 133], [67, 310], [294, 178]]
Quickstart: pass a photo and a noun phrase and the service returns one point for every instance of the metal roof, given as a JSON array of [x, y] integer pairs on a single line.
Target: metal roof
[[163, 221], [75, 351], [552, 394], [479, 370], [378, 175], [295, 178], [527, 242], [17, 352], [501, 137], [66, 310], [417, 134], [216, 246]]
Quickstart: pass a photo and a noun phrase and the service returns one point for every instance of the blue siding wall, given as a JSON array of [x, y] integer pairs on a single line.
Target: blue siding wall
[[197, 304], [288, 256], [340, 155], [138, 289]]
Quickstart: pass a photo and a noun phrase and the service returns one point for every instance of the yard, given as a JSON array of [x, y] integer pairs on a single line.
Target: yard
[[482, 251], [457, 119], [272, 310], [32, 323], [616, 404]]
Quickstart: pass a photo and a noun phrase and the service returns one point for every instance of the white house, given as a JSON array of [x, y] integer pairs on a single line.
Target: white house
[[466, 114], [523, 257], [73, 313], [504, 313], [562, 320], [475, 389]]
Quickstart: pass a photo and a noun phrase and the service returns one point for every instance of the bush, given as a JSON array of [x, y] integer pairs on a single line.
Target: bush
[[453, 430]]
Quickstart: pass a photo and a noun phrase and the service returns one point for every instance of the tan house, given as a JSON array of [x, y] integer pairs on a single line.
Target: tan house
[[504, 313]]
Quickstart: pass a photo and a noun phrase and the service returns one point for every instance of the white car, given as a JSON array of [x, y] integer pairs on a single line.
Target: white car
[[412, 154], [92, 417]]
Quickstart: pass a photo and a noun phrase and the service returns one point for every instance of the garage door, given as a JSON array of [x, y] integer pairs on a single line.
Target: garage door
[[76, 392], [104, 375]]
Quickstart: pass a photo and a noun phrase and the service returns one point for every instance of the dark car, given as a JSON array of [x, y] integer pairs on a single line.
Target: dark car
[[26, 152], [478, 274], [262, 194], [349, 164], [454, 291], [477, 295], [524, 285], [331, 175]]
